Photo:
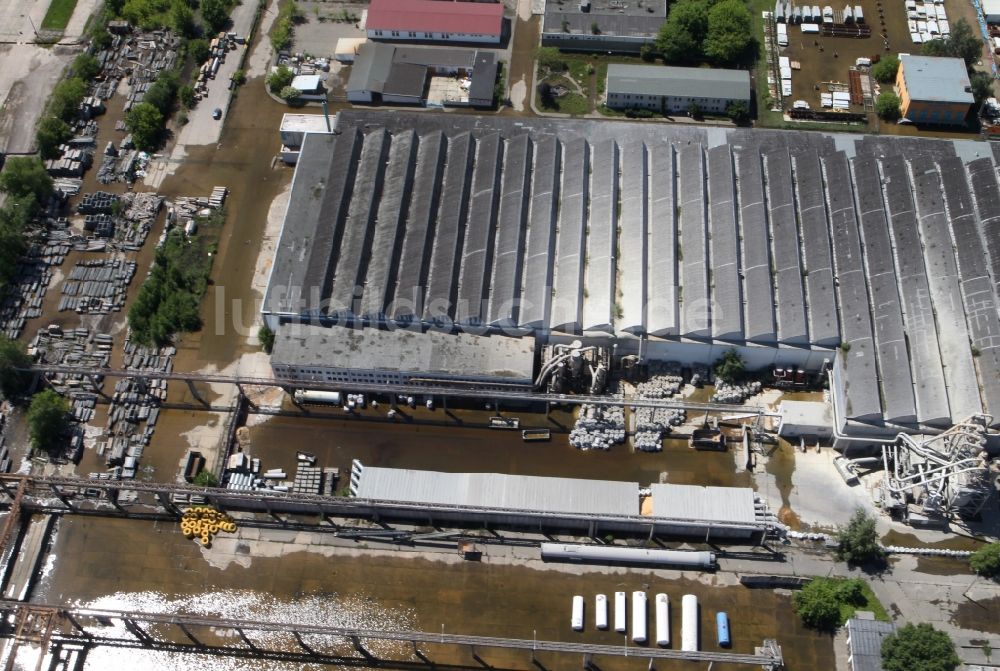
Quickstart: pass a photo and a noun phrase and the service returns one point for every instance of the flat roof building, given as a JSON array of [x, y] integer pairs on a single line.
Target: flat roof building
[[934, 90], [673, 89], [303, 352], [864, 641], [602, 25], [435, 21]]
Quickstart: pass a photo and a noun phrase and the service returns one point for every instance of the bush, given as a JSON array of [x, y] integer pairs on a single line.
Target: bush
[[86, 67], [206, 479], [858, 542], [266, 337], [885, 70], [13, 382], [145, 122], [730, 366], [887, 106], [738, 113], [919, 647], [48, 422], [24, 177], [551, 58], [289, 93], [279, 79], [239, 78], [281, 32], [52, 132], [66, 98], [186, 95], [986, 560], [199, 51], [821, 603]]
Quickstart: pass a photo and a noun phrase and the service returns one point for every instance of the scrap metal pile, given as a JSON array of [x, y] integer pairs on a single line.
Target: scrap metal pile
[[599, 427], [651, 424], [726, 392], [940, 475]]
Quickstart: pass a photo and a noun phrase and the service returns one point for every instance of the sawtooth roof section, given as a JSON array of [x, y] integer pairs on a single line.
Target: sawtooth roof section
[[661, 314], [355, 247], [505, 287], [598, 303], [986, 191], [890, 340], [696, 313], [727, 306], [789, 297], [414, 261], [539, 261], [632, 239], [918, 317], [567, 307], [862, 378], [439, 304], [817, 260], [385, 252], [313, 187], [480, 231], [758, 292]]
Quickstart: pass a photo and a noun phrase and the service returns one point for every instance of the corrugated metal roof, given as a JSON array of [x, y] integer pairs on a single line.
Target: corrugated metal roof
[[436, 16], [683, 82], [495, 490], [865, 643], [937, 79], [713, 504]]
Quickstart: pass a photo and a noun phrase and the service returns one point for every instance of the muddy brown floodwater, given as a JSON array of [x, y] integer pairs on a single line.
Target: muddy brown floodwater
[[105, 559], [336, 441]]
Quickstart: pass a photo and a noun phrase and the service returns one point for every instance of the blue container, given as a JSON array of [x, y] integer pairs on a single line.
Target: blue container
[[722, 626]]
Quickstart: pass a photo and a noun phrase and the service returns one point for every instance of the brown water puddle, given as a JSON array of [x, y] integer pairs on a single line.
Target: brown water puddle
[[981, 615], [112, 556]]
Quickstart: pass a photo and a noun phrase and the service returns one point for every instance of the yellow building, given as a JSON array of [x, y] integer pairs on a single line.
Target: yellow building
[[933, 90]]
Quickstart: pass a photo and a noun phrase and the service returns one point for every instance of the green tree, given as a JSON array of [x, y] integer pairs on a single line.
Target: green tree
[[266, 337], [551, 58], [962, 43], [206, 479], [48, 422], [682, 35], [215, 13], [66, 98], [199, 51], [738, 113], [819, 602], [887, 106], [86, 67], [647, 53], [885, 70], [858, 542], [182, 19], [147, 14], [163, 92], [52, 132], [919, 647], [986, 560], [239, 78], [186, 96], [982, 86], [279, 79], [145, 122], [25, 176], [729, 34], [730, 366], [13, 382]]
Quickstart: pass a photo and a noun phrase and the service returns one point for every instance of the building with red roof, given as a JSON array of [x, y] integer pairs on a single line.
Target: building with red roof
[[435, 21]]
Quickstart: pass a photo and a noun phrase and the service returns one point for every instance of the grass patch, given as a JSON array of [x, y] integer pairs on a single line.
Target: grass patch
[[169, 301], [571, 103], [871, 603], [58, 15]]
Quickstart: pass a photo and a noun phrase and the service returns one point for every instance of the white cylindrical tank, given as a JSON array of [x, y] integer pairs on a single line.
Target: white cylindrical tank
[[620, 612], [577, 618], [639, 625], [662, 619], [601, 611], [689, 623]]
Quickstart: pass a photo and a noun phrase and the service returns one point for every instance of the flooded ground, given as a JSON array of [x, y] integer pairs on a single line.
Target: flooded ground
[[136, 564], [979, 615]]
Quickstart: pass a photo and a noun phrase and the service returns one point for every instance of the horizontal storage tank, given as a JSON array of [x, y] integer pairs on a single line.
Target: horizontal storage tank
[[620, 612], [612, 554], [601, 612], [722, 627], [689, 623], [662, 619], [309, 396], [639, 624], [577, 618]]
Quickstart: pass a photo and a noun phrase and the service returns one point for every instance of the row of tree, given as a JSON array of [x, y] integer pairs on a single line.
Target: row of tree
[[178, 15], [718, 31]]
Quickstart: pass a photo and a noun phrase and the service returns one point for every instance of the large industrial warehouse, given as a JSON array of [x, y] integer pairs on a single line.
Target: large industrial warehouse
[[880, 256]]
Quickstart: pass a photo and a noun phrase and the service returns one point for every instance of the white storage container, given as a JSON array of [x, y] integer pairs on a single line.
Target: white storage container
[[639, 624], [662, 620], [620, 612]]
